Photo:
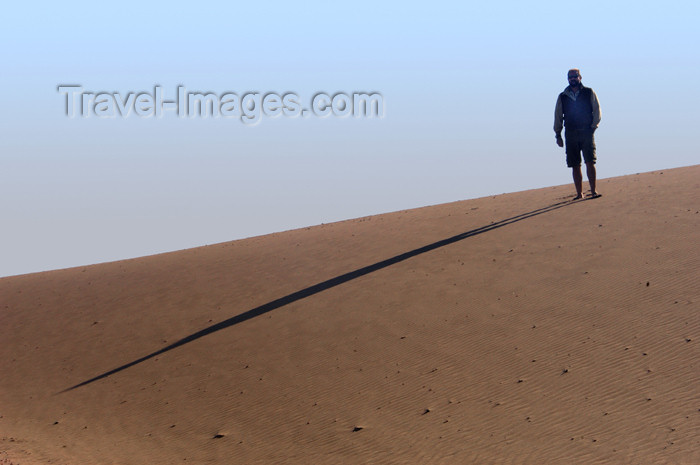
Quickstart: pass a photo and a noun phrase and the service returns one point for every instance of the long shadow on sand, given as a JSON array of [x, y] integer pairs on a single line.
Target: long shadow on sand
[[322, 286]]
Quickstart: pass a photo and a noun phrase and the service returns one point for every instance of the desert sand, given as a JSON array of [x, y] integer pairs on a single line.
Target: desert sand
[[517, 328]]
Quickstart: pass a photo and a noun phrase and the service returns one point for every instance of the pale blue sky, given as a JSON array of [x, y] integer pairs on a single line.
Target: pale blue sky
[[469, 91]]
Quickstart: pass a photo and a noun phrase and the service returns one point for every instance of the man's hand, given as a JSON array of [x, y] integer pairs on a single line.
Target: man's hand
[[560, 141]]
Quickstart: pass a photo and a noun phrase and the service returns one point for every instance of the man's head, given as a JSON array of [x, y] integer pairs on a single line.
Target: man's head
[[574, 77]]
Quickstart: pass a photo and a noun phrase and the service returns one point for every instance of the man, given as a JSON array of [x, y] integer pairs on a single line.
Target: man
[[578, 113]]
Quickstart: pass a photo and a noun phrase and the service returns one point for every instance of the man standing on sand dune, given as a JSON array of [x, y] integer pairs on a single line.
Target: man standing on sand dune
[[578, 112]]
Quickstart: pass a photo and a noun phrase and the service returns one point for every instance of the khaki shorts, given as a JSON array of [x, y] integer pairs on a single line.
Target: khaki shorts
[[579, 141]]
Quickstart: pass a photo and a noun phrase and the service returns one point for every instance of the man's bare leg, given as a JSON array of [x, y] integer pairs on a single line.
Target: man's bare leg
[[578, 181], [591, 173]]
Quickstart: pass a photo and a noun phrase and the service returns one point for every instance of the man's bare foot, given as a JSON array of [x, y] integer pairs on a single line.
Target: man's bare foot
[[595, 195], [578, 197]]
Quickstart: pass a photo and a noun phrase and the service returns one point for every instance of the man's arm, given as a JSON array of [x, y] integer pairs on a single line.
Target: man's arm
[[559, 121], [596, 110], [558, 117]]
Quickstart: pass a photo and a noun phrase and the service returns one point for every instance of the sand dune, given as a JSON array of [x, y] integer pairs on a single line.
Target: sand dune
[[519, 328]]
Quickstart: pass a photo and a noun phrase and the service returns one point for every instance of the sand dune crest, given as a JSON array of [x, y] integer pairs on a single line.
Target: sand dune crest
[[520, 328]]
